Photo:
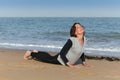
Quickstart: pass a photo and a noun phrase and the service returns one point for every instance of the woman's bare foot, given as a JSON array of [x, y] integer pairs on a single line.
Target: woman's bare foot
[[27, 55], [35, 51]]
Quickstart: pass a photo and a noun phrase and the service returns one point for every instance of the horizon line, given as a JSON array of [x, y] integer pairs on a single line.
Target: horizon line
[[67, 16]]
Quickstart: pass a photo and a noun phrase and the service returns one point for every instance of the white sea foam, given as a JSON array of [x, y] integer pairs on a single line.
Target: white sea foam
[[29, 45], [58, 47], [104, 49]]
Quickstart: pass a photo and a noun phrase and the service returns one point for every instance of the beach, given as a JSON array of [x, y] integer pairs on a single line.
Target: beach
[[14, 67]]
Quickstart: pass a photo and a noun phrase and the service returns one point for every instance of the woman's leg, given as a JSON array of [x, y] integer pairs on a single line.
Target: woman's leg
[[45, 57], [27, 55], [41, 56]]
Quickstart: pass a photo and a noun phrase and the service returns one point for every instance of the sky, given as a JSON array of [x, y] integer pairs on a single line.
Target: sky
[[59, 8]]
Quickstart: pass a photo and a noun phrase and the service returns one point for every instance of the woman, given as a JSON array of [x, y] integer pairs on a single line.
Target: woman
[[70, 53]]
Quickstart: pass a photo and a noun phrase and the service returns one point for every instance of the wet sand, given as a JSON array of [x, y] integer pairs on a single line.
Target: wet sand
[[13, 67]]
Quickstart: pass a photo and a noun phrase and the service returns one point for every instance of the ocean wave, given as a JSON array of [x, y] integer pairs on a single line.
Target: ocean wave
[[105, 35], [104, 49], [29, 45], [115, 49]]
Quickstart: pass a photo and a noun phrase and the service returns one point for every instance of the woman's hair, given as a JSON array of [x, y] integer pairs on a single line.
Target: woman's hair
[[73, 28]]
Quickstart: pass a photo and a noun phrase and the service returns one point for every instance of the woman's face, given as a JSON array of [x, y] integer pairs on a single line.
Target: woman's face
[[79, 29]]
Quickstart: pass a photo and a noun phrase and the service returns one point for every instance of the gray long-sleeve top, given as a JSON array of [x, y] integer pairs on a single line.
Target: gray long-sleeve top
[[71, 51]]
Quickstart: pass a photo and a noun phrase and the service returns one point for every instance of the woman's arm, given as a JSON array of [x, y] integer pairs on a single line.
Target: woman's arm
[[65, 50], [63, 53]]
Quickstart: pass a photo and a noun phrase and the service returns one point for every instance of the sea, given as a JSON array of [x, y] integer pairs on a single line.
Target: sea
[[51, 33]]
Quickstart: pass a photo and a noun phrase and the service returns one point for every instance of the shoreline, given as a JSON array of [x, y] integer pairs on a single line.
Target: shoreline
[[108, 58], [14, 67], [94, 57]]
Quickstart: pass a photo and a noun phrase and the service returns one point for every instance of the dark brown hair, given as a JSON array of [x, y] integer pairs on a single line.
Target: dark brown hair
[[73, 28]]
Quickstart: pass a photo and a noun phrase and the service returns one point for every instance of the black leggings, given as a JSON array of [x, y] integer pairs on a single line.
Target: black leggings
[[45, 57]]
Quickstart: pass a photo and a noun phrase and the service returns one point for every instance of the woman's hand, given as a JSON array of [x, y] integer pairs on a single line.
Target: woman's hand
[[72, 66], [85, 64]]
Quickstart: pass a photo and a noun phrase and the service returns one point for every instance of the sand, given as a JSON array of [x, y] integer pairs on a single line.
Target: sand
[[13, 67]]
